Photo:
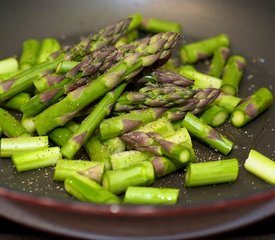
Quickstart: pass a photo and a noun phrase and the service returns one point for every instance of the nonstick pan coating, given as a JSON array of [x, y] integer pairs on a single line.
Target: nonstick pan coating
[[250, 26]]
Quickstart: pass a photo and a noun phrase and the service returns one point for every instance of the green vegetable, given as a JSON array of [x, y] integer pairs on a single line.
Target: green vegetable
[[218, 62], [193, 52], [251, 107], [201, 80], [10, 146], [215, 116], [10, 126], [260, 166], [85, 189], [66, 168], [155, 25], [151, 195], [207, 134], [213, 172], [232, 75], [30, 160], [8, 65], [28, 58], [117, 181]]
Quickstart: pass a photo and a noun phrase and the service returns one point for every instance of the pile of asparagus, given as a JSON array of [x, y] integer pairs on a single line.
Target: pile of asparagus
[[124, 101]]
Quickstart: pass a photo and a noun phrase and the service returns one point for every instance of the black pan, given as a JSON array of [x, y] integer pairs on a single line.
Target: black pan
[[31, 198]]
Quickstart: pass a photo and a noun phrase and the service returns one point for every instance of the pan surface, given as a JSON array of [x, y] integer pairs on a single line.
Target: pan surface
[[33, 199]]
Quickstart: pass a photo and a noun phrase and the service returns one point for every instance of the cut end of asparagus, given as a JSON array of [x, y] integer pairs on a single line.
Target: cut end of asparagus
[[237, 118], [260, 166]]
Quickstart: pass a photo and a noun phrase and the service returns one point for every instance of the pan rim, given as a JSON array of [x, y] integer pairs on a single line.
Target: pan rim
[[122, 210]]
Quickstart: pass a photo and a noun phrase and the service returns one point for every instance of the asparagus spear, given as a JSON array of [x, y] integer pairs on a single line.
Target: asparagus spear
[[119, 125], [23, 80], [11, 146], [155, 144], [215, 116], [87, 190], [96, 63], [162, 126], [218, 62], [227, 102], [66, 168], [232, 75], [47, 47], [251, 107], [136, 20], [201, 80], [103, 38], [8, 65], [154, 95], [17, 101], [155, 25], [65, 66], [193, 52], [10, 126], [202, 99], [205, 173], [261, 166], [207, 134], [29, 54], [26, 161], [117, 181], [151, 195], [88, 125], [58, 114]]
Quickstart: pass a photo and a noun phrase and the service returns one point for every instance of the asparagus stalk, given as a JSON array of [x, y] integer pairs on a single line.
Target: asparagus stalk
[[119, 125], [86, 128], [251, 107], [6, 76], [162, 126], [66, 168], [151, 195], [58, 114], [201, 80], [8, 65], [60, 135], [26, 161], [117, 181], [127, 38], [103, 38], [227, 102], [87, 190], [155, 144], [128, 158], [23, 80], [164, 166], [197, 104], [17, 101], [11, 146], [193, 52], [155, 25], [136, 20], [207, 134], [218, 62], [232, 75], [155, 95], [98, 151], [166, 77], [215, 116], [260, 166], [28, 124], [96, 63], [47, 47], [65, 66], [10, 126], [29, 53], [206, 173]]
